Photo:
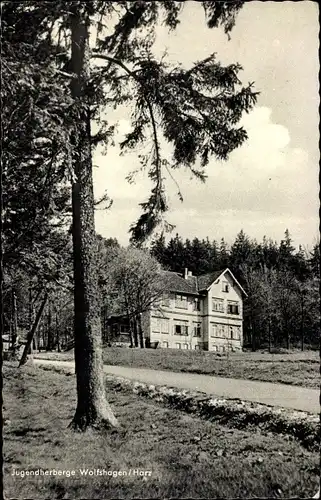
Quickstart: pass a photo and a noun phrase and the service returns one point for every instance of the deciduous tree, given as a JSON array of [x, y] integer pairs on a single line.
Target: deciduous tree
[[136, 277]]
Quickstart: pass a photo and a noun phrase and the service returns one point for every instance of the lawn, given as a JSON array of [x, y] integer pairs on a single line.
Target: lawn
[[295, 368], [169, 453]]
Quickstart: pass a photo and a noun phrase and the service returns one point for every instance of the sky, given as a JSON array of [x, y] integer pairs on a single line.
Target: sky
[[271, 182]]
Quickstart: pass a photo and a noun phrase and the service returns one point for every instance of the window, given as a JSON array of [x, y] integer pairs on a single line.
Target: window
[[178, 345], [165, 325], [235, 332], [197, 347], [197, 332], [181, 301], [181, 328], [214, 331], [225, 286], [156, 324], [223, 332], [197, 304], [218, 305], [218, 330], [165, 344], [185, 346], [233, 308], [124, 329], [165, 300], [160, 325]]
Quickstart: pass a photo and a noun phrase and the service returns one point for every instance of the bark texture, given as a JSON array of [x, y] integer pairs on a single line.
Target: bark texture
[[92, 406]]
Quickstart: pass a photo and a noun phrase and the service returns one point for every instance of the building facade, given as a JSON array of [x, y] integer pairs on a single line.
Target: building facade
[[197, 313]]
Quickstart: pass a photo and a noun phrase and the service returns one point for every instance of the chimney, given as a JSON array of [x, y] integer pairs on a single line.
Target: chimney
[[189, 274], [186, 273]]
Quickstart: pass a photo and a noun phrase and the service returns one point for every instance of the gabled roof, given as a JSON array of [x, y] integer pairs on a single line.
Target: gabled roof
[[238, 284], [175, 282], [205, 280]]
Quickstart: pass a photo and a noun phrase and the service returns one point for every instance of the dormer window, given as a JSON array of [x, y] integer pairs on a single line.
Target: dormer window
[[225, 286]]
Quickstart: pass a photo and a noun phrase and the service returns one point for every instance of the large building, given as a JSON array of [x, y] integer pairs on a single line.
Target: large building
[[197, 312]]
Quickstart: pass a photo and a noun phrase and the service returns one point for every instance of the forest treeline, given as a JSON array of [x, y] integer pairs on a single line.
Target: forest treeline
[[282, 283], [283, 304]]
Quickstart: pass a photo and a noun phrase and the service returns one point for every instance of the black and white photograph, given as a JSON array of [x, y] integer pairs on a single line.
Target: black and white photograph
[[160, 249]]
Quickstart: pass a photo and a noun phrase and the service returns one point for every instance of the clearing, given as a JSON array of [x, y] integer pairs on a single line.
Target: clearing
[[186, 456], [294, 368]]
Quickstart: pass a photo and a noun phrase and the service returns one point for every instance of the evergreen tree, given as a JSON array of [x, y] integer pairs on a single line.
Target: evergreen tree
[[175, 254], [200, 262], [213, 255], [314, 261], [188, 255], [241, 251], [198, 110], [223, 254], [286, 251], [300, 265], [35, 137], [158, 249]]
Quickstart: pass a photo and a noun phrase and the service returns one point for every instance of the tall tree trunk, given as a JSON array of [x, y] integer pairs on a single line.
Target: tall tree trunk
[[130, 320], [57, 332], [31, 320], [252, 331], [287, 332], [302, 325], [259, 337], [131, 330], [39, 338], [49, 329], [103, 323], [140, 331], [135, 332], [92, 406], [43, 331], [14, 319], [32, 331], [10, 331], [270, 333]]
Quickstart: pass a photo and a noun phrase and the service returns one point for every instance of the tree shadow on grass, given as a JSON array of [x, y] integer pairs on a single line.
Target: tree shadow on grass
[[27, 430]]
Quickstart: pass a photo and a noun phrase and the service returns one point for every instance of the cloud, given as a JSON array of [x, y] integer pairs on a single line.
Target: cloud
[[263, 133], [265, 184], [271, 182], [265, 175]]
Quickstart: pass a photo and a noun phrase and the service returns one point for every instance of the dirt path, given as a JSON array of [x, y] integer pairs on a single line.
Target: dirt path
[[282, 395]]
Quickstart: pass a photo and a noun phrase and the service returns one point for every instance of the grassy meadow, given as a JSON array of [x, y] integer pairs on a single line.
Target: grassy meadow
[[174, 455], [295, 368]]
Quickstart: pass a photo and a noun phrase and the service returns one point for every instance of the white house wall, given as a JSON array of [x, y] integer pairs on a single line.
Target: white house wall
[[206, 316], [174, 315], [223, 318]]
